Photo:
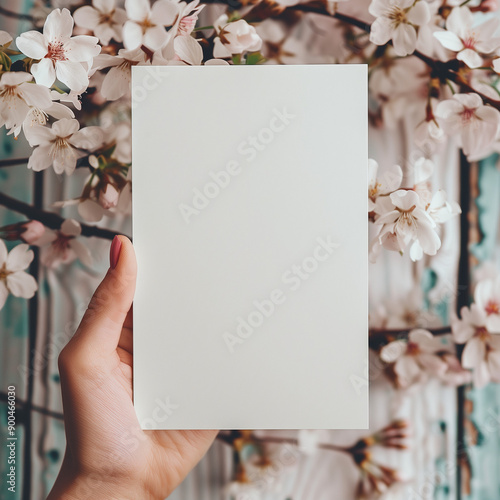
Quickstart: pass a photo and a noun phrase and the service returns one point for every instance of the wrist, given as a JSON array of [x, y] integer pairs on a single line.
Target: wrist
[[76, 486]]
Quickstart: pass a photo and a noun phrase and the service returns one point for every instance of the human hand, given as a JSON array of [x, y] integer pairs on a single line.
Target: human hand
[[108, 455]]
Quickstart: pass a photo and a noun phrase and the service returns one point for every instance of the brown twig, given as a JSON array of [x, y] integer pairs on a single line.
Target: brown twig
[[51, 219], [226, 438], [11, 162], [15, 15], [379, 337], [441, 70]]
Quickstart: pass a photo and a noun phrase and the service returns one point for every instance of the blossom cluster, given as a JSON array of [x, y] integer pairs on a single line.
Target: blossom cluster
[[65, 86], [404, 217]]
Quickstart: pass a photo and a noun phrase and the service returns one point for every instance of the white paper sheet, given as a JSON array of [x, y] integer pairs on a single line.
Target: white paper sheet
[[250, 228]]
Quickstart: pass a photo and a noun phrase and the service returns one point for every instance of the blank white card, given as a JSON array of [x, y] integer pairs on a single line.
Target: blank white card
[[250, 228]]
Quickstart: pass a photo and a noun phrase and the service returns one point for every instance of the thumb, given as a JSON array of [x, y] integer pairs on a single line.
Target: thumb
[[102, 324]]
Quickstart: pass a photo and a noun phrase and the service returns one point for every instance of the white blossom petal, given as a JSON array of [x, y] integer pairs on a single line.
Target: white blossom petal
[[87, 17], [3, 253], [72, 74], [19, 258], [59, 24], [156, 37], [90, 210], [474, 353], [419, 14], [4, 293], [116, 83], [471, 58], [33, 44], [71, 227], [449, 40], [393, 351], [407, 370], [22, 284], [44, 72], [82, 48], [132, 35], [404, 39], [40, 159], [188, 50], [137, 10], [164, 12]]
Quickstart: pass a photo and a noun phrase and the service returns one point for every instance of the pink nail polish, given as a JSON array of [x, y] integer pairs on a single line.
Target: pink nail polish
[[114, 252]]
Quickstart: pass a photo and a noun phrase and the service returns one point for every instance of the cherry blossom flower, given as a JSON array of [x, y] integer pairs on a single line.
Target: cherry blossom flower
[[61, 55], [442, 210], [428, 134], [13, 279], [103, 189], [17, 96], [39, 116], [60, 146], [487, 298], [438, 209], [187, 15], [468, 39], [398, 20], [389, 182], [405, 218], [416, 358], [105, 197], [62, 246], [188, 22], [103, 18], [466, 116], [234, 38], [116, 82], [146, 24], [482, 348]]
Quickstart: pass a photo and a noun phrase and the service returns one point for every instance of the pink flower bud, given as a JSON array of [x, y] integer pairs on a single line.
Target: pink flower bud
[[33, 230], [28, 231], [108, 197]]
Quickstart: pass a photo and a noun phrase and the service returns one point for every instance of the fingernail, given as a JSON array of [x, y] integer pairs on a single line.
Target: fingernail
[[114, 252]]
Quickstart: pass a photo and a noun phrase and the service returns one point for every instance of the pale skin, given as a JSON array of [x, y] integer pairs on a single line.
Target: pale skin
[[108, 455]]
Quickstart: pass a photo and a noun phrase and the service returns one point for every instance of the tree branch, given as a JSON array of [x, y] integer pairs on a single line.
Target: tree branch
[[15, 15], [442, 70], [51, 219], [379, 337], [11, 162], [228, 439]]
